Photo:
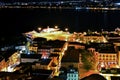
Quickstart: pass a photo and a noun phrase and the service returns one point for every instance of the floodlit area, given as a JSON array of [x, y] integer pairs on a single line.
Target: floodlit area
[[50, 34]]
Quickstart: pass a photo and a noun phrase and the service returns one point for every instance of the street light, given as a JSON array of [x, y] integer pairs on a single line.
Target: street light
[[39, 29], [56, 27], [66, 29]]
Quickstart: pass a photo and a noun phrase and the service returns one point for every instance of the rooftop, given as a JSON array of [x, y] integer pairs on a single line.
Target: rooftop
[[32, 56], [45, 61], [71, 55]]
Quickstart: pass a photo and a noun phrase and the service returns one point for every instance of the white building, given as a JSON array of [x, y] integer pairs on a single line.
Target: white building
[[72, 74]]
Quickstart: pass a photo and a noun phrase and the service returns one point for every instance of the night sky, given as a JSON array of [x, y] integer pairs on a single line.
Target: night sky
[[15, 21]]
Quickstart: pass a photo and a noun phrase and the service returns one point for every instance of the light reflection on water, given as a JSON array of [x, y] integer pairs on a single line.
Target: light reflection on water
[[24, 19]]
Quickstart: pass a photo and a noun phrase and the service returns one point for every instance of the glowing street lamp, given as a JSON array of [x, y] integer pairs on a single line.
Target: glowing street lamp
[[56, 27], [39, 28], [66, 29]]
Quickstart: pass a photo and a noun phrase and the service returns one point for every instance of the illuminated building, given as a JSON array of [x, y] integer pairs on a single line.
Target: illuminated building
[[33, 48], [25, 58], [108, 56], [118, 55], [10, 60], [92, 38], [106, 60], [72, 74], [77, 45], [2, 63], [43, 64]]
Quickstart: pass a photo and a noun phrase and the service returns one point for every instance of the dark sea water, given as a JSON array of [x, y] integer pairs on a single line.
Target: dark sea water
[[19, 20]]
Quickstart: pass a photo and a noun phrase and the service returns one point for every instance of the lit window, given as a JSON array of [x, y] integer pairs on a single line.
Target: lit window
[[74, 75]]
